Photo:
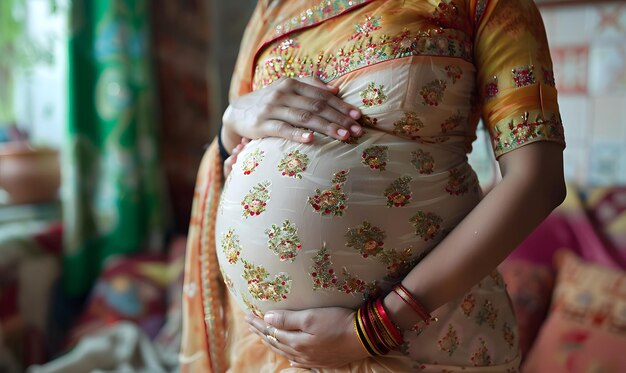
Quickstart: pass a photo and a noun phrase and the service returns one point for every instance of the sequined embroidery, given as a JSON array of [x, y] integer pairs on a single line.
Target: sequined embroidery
[[373, 95], [510, 135], [293, 164], [375, 157], [262, 287], [359, 53], [481, 5], [324, 10], [449, 342], [231, 246], [456, 185], [365, 28], [456, 120], [469, 302], [491, 89], [432, 93], [399, 192], [454, 73], [427, 224], [368, 121], [481, 357], [251, 162], [322, 272], [352, 284], [487, 314], [408, 126], [366, 238], [331, 201], [508, 334], [284, 241], [255, 201], [423, 162], [523, 75]]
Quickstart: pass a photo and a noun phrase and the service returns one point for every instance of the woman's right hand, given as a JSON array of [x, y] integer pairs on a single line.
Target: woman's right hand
[[291, 109]]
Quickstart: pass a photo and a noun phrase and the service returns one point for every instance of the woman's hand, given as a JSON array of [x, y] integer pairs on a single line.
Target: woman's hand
[[290, 108], [315, 338], [232, 159]]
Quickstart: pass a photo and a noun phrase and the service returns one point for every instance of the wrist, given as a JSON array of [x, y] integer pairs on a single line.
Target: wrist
[[399, 313]]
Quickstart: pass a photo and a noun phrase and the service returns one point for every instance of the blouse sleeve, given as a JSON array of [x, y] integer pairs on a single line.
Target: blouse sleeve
[[514, 75]]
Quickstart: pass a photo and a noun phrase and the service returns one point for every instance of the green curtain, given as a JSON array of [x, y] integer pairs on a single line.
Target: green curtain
[[113, 189]]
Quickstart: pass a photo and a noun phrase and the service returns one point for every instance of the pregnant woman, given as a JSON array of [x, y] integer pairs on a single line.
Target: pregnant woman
[[351, 234]]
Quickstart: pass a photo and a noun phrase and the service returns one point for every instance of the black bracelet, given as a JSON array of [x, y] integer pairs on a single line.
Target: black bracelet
[[223, 152]]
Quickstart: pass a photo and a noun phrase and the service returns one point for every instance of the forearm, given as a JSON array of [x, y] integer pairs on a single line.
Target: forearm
[[500, 222]]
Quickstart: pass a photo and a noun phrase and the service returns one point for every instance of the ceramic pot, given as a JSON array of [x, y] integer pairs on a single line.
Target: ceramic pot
[[29, 174]]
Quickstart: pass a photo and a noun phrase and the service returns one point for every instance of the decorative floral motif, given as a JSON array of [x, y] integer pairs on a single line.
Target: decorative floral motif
[[497, 278], [523, 75], [398, 263], [368, 121], [548, 77], [399, 192], [449, 42], [423, 162], [261, 287], [293, 164], [508, 334], [449, 342], [375, 157], [432, 93], [427, 224], [456, 183], [331, 201], [366, 238], [366, 27], [456, 120], [468, 305], [488, 314], [454, 72], [372, 95], [252, 161], [256, 311], [491, 89], [284, 241], [324, 276], [447, 15], [510, 135], [352, 284], [231, 246], [324, 10], [408, 126], [481, 357], [255, 201]]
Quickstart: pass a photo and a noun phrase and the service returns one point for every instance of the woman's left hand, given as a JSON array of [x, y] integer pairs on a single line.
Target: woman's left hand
[[314, 338]]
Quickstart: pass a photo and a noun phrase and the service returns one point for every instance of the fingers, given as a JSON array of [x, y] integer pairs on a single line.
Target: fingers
[[230, 161], [290, 320], [305, 118]]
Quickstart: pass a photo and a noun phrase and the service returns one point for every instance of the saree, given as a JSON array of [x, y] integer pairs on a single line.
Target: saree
[[422, 73]]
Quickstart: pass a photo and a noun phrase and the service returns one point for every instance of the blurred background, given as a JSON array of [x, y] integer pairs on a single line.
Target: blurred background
[[106, 107]]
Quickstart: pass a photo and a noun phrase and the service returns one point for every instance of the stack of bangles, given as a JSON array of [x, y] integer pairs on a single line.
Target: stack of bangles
[[376, 332]]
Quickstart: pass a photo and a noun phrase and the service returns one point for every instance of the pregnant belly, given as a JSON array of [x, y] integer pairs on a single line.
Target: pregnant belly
[[329, 224]]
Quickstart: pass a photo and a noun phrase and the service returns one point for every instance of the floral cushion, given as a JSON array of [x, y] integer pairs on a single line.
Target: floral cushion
[[530, 287], [585, 330]]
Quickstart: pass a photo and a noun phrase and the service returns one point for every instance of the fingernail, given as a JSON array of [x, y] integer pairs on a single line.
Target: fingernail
[[342, 132], [306, 135], [355, 114], [268, 318], [330, 87], [356, 130]]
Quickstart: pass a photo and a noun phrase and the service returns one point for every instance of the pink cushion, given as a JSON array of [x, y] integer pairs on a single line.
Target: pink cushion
[[585, 330]]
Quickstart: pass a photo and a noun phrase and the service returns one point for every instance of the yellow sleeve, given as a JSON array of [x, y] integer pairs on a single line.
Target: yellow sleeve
[[514, 75]]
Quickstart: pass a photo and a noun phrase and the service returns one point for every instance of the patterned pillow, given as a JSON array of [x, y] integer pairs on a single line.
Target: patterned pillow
[[586, 328], [530, 287]]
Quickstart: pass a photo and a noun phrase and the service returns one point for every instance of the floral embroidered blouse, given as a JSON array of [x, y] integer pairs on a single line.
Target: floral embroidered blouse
[[331, 223]]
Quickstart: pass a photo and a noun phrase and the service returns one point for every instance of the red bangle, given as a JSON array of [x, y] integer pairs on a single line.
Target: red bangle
[[389, 326], [421, 311]]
